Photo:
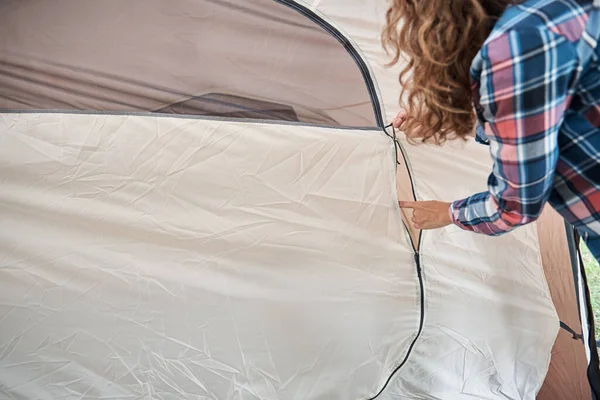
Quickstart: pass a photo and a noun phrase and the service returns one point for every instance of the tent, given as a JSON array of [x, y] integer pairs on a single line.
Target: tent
[[198, 200]]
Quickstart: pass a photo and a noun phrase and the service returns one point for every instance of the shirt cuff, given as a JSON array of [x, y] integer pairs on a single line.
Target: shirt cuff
[[454, 210]]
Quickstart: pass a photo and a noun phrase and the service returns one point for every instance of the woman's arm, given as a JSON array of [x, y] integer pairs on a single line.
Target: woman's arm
[[525, 78]]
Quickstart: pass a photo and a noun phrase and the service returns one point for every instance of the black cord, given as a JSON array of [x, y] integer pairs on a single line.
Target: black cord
[[394, 138], [576, 336]]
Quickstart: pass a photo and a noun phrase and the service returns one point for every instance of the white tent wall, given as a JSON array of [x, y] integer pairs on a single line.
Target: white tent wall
[[490, 323], [165, 258], [174, 257], [154, 257], [362, 22]]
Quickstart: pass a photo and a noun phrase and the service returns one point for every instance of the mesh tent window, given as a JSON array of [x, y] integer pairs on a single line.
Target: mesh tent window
[[258, 59]]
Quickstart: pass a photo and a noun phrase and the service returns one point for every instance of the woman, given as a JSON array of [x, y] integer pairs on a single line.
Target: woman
[[531, 69]]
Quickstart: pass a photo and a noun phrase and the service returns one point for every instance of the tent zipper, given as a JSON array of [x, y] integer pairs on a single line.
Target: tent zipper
[[344, 41], [417, 258]]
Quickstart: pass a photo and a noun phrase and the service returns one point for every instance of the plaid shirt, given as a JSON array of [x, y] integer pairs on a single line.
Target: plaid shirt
[[536, 84]]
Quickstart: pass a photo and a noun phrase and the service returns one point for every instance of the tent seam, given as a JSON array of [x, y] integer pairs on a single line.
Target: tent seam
[[421, 282], [374, 129]]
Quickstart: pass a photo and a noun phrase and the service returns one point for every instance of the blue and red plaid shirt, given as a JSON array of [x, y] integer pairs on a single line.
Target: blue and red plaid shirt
[[536, 83]]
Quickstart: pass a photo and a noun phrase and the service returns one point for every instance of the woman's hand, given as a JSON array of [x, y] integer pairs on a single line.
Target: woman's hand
[[428, 214], [399, 119]]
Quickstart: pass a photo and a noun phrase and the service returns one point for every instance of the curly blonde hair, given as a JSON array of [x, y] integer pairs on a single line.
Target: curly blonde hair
[[438, 39]]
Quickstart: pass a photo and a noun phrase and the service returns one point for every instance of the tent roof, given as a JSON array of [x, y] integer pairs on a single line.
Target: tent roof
[[260, 59]]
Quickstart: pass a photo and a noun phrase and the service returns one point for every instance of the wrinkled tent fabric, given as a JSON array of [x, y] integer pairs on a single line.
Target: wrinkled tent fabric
[[153, 256], [183, 255], [146, 261], [567, 372], [478, 340]]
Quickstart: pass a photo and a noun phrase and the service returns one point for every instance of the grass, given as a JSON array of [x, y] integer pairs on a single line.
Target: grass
[[592, 270]]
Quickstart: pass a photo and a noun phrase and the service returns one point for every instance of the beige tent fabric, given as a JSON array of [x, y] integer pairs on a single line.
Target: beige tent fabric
[[473, 300], [404, 188], [567, 376], [254, 59], [174, 258], [158, 78], [362, 22], [566, 373]]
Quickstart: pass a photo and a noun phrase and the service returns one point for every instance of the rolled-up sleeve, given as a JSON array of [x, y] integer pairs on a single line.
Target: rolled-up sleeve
[[524, 80]]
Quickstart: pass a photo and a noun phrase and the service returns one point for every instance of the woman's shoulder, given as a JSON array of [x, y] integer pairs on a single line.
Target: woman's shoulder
[[562, 19], [565, 18]]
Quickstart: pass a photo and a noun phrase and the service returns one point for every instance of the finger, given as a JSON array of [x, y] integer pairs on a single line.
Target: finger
[[399, 119], [408, 204], [397, 122]]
